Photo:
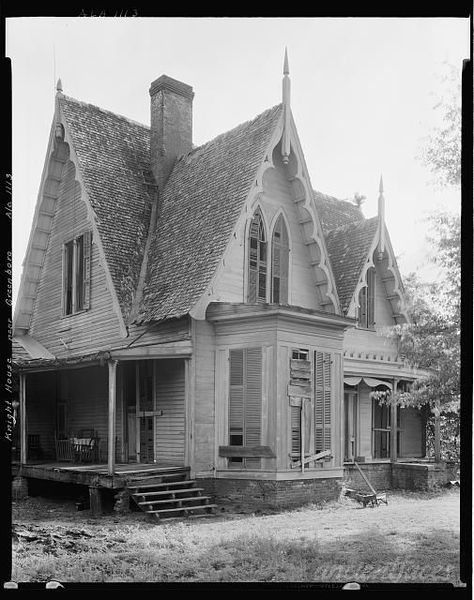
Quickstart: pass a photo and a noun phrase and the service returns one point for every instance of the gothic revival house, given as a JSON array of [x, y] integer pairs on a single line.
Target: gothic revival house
[[202, 313]]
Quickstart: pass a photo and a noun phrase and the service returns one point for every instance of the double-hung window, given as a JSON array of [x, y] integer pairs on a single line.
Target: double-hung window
[[367, 301], [76, 274]]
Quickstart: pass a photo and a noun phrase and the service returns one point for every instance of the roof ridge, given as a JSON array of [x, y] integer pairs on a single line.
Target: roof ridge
[[222, 136], [360, 222], [105, 110], [329, 197]]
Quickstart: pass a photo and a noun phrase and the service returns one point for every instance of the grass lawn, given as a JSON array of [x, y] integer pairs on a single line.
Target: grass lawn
[[415, 538]]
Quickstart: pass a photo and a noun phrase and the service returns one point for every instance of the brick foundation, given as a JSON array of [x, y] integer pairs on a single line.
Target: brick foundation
[[419, 476], [405, 476], [252, 495], [379, 475]]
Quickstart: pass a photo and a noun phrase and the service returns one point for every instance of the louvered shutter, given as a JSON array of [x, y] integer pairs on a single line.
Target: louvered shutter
[[253, 262], [363, 307], [280, 262], [371, 297], [327, 400], [284, 263], [236, 394], [87, 270], [253, 402], [276, 273], [318, 402], [295, 429], [322, 400]]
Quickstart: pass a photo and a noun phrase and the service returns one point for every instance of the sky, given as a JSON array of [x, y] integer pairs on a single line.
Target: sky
[[363, 92]]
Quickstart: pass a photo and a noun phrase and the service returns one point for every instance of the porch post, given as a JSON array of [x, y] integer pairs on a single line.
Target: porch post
[[393, 420], [437, 433], [23, 436], [112, 415]]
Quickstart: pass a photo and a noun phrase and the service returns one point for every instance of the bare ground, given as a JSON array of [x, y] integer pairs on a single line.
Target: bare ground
[[415, 538]]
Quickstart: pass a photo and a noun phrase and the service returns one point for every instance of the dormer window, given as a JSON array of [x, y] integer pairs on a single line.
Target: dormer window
[[76, 274], [367, 301], [280, 261], [257, 266]]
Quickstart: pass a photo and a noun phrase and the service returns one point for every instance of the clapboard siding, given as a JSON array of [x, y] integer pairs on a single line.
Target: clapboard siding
[[366, 344], [411, 424], [88, 404], [383, 307], [84, 332], [301, 290], [203, 397], [276, 196], [365, 423], [41, 392], [170, 427]]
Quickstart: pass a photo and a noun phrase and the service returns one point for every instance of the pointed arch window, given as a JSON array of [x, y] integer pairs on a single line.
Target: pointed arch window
[[280, 262], [257, 267], [367, 301]]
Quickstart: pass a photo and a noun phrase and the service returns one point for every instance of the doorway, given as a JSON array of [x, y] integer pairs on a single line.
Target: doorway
[[350, 425]]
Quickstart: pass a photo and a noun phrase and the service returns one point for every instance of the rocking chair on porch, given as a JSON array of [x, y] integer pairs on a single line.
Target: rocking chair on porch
[[79, 447]]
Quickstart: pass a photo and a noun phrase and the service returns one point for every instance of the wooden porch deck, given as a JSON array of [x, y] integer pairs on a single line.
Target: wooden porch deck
[[92, 474]]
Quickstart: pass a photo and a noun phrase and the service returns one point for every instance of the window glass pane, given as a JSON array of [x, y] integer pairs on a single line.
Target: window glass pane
[[80, 273], [68, 278]]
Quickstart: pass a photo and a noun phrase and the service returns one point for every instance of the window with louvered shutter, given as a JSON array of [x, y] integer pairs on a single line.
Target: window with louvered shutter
[[367, 301], [236, 401], [76, 274], [280, 262], [245, 402], [322, 400], [257, 267], [87, 249], [371, 297]]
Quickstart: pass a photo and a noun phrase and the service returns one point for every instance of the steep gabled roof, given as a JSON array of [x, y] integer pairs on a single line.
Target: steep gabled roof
[[113, 155], [335, 213], [201, 203], [348, 247]]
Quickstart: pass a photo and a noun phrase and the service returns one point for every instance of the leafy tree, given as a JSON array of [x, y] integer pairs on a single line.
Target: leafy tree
[[432, 339], [441, 152]]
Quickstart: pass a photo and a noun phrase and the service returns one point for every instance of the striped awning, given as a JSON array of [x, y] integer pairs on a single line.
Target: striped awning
[[370, 381]]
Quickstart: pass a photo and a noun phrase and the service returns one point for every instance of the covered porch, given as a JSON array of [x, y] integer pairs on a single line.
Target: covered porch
[[103, 415]]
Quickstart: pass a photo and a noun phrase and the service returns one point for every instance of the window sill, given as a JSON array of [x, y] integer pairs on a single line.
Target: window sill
[[78, 312]]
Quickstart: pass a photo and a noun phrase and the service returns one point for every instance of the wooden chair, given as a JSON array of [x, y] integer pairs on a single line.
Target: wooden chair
[[85, 446], [64, 449]]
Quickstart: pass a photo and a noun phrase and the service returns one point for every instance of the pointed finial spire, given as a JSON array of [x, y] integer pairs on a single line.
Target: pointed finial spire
[[286, 68], [59, 86], [381, 216], [285, 145]]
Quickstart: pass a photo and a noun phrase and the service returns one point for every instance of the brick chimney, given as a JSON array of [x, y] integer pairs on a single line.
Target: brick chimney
[[171, 125]]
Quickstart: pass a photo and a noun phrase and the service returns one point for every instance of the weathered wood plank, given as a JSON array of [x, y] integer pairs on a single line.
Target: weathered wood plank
[[312, 458], [299, 391], [246, 452]]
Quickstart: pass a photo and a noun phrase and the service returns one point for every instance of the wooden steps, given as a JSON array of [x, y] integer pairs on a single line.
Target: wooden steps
[[170, 494]]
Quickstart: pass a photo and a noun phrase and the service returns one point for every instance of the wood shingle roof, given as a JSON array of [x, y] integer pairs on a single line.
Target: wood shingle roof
[[201, 203], [334, 213], [348, 247], [113, 155], [198, 210]]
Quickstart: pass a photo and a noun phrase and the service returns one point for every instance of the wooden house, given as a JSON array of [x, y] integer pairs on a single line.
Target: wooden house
[[203, 308]]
